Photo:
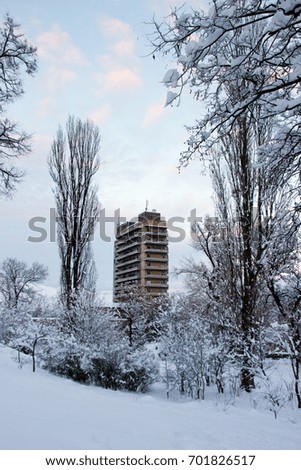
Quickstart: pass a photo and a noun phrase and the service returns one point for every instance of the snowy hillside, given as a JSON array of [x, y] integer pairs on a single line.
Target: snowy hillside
[[42, 411]]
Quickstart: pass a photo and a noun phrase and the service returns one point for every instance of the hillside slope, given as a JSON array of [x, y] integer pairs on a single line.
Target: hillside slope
[[42, 411]]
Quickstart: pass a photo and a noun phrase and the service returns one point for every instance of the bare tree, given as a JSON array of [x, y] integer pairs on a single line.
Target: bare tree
[[15, 54], [133, 311], [72, 165], [18, 281]]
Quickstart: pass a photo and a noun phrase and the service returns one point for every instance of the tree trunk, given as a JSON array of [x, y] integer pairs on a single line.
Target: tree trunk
[[247, 377], [296, 372]]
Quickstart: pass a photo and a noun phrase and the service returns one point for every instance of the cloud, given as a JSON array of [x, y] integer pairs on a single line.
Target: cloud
[[123, 48], [46, 107], [120, 38], [153, 114], [58, 78], [63, 59], [56, 46], [120, 78], [120, 65], [100, 115], [114, 27]]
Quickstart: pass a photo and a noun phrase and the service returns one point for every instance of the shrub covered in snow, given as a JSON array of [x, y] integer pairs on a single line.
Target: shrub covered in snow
[[133, 370]]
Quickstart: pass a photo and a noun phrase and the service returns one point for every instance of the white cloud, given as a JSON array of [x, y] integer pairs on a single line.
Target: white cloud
[[56, 46], [153, 114], [62, 58], [123, 48], [120, 65], [46, 107], [120, 38], [58, 78], [114, 27], [99, 116], [120, 78]]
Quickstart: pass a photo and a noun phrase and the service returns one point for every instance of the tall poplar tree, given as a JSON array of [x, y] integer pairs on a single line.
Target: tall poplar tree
[[72, 164]]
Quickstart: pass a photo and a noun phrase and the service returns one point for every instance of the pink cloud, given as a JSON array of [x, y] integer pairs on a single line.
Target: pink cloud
[[123, 48], [58, 78], [120, 35], [114, 27], [153, 114], [56, 46], [100, 115], [120, 78], [63, 59], [46, 107], [120, 69]]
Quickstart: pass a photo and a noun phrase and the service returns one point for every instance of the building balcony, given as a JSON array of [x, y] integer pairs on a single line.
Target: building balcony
[[126, 246], [160, 259], [152, 235], [120, 264], [163, 250], [127, 227], [119, 257], [156, 276], [156, 285], [119, 279], [120, 272], [156, 268], [155, 222], [155, 242], [125, 237]]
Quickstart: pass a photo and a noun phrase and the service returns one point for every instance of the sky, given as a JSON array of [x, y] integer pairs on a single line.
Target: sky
[[95, 62]]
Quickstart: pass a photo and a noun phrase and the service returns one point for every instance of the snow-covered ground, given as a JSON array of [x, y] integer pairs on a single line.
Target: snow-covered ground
[[42, 411]]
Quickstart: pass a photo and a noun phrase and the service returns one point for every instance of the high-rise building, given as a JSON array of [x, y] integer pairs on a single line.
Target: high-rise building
[[141, 256]]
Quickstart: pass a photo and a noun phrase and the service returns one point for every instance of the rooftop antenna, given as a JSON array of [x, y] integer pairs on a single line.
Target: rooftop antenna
[[146, 205]]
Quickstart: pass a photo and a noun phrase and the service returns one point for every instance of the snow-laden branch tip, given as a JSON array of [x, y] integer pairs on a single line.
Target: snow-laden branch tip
[[171, 78], [170, 98]]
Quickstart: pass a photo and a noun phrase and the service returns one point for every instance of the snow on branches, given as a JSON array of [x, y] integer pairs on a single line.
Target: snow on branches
[[250, 45]]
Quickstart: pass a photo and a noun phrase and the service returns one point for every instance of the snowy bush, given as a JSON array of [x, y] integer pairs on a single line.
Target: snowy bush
[[275, 396], [63, 356], [15, 325], [139, 370], [71, 368], [186, 351], [123, 368], [106, 372]]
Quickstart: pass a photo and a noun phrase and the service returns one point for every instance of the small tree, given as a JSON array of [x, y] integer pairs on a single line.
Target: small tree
[[15, 54], [72, 164], [18, 281], [185, 348], [139, 314]]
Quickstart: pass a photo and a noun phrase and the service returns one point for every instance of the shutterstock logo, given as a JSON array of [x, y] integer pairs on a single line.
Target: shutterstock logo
[[45, 229]]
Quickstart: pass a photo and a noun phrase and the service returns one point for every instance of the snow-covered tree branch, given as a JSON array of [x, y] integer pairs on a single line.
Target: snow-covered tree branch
[[266, 37], [16, 54]]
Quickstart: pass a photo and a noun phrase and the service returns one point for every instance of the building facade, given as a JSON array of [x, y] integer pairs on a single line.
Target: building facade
[[141, 256]]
